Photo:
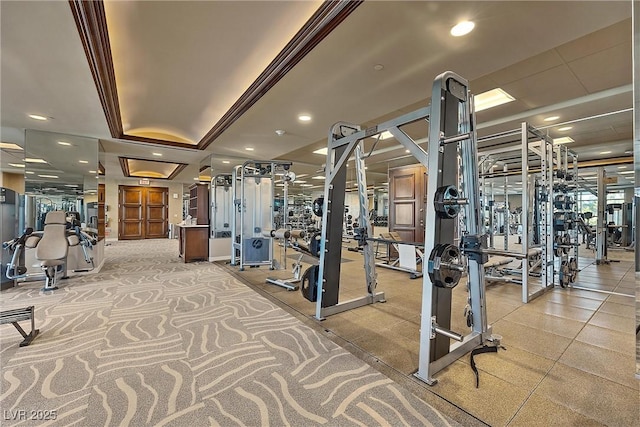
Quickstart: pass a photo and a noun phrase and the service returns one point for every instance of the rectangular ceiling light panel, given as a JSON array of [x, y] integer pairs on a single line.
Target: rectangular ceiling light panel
[[491, 98]]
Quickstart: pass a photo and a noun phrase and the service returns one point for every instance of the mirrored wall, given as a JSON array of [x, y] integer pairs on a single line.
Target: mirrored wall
[[61, 173]]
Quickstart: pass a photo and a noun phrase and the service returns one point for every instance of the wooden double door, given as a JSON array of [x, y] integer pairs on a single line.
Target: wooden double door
[[143, 212]]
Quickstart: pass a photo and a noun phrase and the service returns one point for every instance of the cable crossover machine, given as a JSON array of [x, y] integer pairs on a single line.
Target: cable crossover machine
[[253, 221]]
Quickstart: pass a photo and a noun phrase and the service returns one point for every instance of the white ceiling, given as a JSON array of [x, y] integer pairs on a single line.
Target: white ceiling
[[180, 65]]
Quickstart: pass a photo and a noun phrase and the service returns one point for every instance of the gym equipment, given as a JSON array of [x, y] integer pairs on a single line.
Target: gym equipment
[[535, 226], [601, 228], [253, 221], [409, 254], [17, 315], [289, 284], [11, 222], [321, 284], [565, 215], [53, 247], [50, 249], [221, 217], [77, 237], [453, 154], [588, 233]]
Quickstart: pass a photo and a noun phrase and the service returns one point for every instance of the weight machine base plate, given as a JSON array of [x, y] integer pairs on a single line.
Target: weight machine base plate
[[287, 284]]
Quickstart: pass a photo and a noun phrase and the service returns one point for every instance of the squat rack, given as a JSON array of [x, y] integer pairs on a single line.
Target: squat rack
[[535, 151]]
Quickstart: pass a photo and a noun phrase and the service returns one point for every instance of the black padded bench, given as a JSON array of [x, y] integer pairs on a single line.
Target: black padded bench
[[17, 315]]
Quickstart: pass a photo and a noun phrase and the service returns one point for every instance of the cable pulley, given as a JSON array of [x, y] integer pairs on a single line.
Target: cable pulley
[[445, 266]]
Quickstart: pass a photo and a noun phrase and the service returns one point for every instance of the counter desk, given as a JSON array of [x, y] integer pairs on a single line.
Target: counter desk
[[193, 242]]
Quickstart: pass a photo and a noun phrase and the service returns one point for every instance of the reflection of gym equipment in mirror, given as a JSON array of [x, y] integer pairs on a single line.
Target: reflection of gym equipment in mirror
[[221, 217]]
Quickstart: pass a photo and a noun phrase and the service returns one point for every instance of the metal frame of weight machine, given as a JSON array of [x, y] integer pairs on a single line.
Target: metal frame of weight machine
[[222, 213], [536, 153], [247, 247], [453, 144]]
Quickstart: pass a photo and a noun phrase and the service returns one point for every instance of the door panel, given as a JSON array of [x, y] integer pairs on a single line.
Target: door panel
[[404, 214], [156, 213], [407, 202], [130, 213], [404, 186], [143, 212]]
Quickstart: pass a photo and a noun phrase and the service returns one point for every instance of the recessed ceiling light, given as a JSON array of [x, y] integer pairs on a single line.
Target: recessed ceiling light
[[226, 162], [462, 28], [10, 146], [16, 165], [322, 151], [605, 152], [491, 98], [563, 140], [366, 167], [31, 160], [280, 132], [29, 172], [157, 154], [64, 143], [92, 172], [318, 177], [306, 185], [562, 129], [304, 118], [551, 118], [249, 148], [37, 117], [48, 176], [628, 152], [622, 167], [196, 179], [626, 172], [71, 185], [299, 182], [83, 161], [407, 151]]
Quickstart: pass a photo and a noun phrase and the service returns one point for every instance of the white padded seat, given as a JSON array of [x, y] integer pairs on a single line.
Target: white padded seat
[[53, 247]]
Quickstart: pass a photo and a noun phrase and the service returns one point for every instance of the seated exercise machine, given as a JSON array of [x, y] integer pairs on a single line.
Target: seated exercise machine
[[588, 233], [51, 249]]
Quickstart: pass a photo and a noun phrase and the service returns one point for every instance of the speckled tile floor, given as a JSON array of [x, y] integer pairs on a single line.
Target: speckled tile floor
[[570, 356]]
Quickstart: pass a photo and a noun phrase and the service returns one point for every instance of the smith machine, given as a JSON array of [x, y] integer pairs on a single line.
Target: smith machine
[[456, 213]]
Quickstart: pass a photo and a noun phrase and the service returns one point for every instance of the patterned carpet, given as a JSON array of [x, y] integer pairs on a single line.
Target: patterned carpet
[[152, 341]]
